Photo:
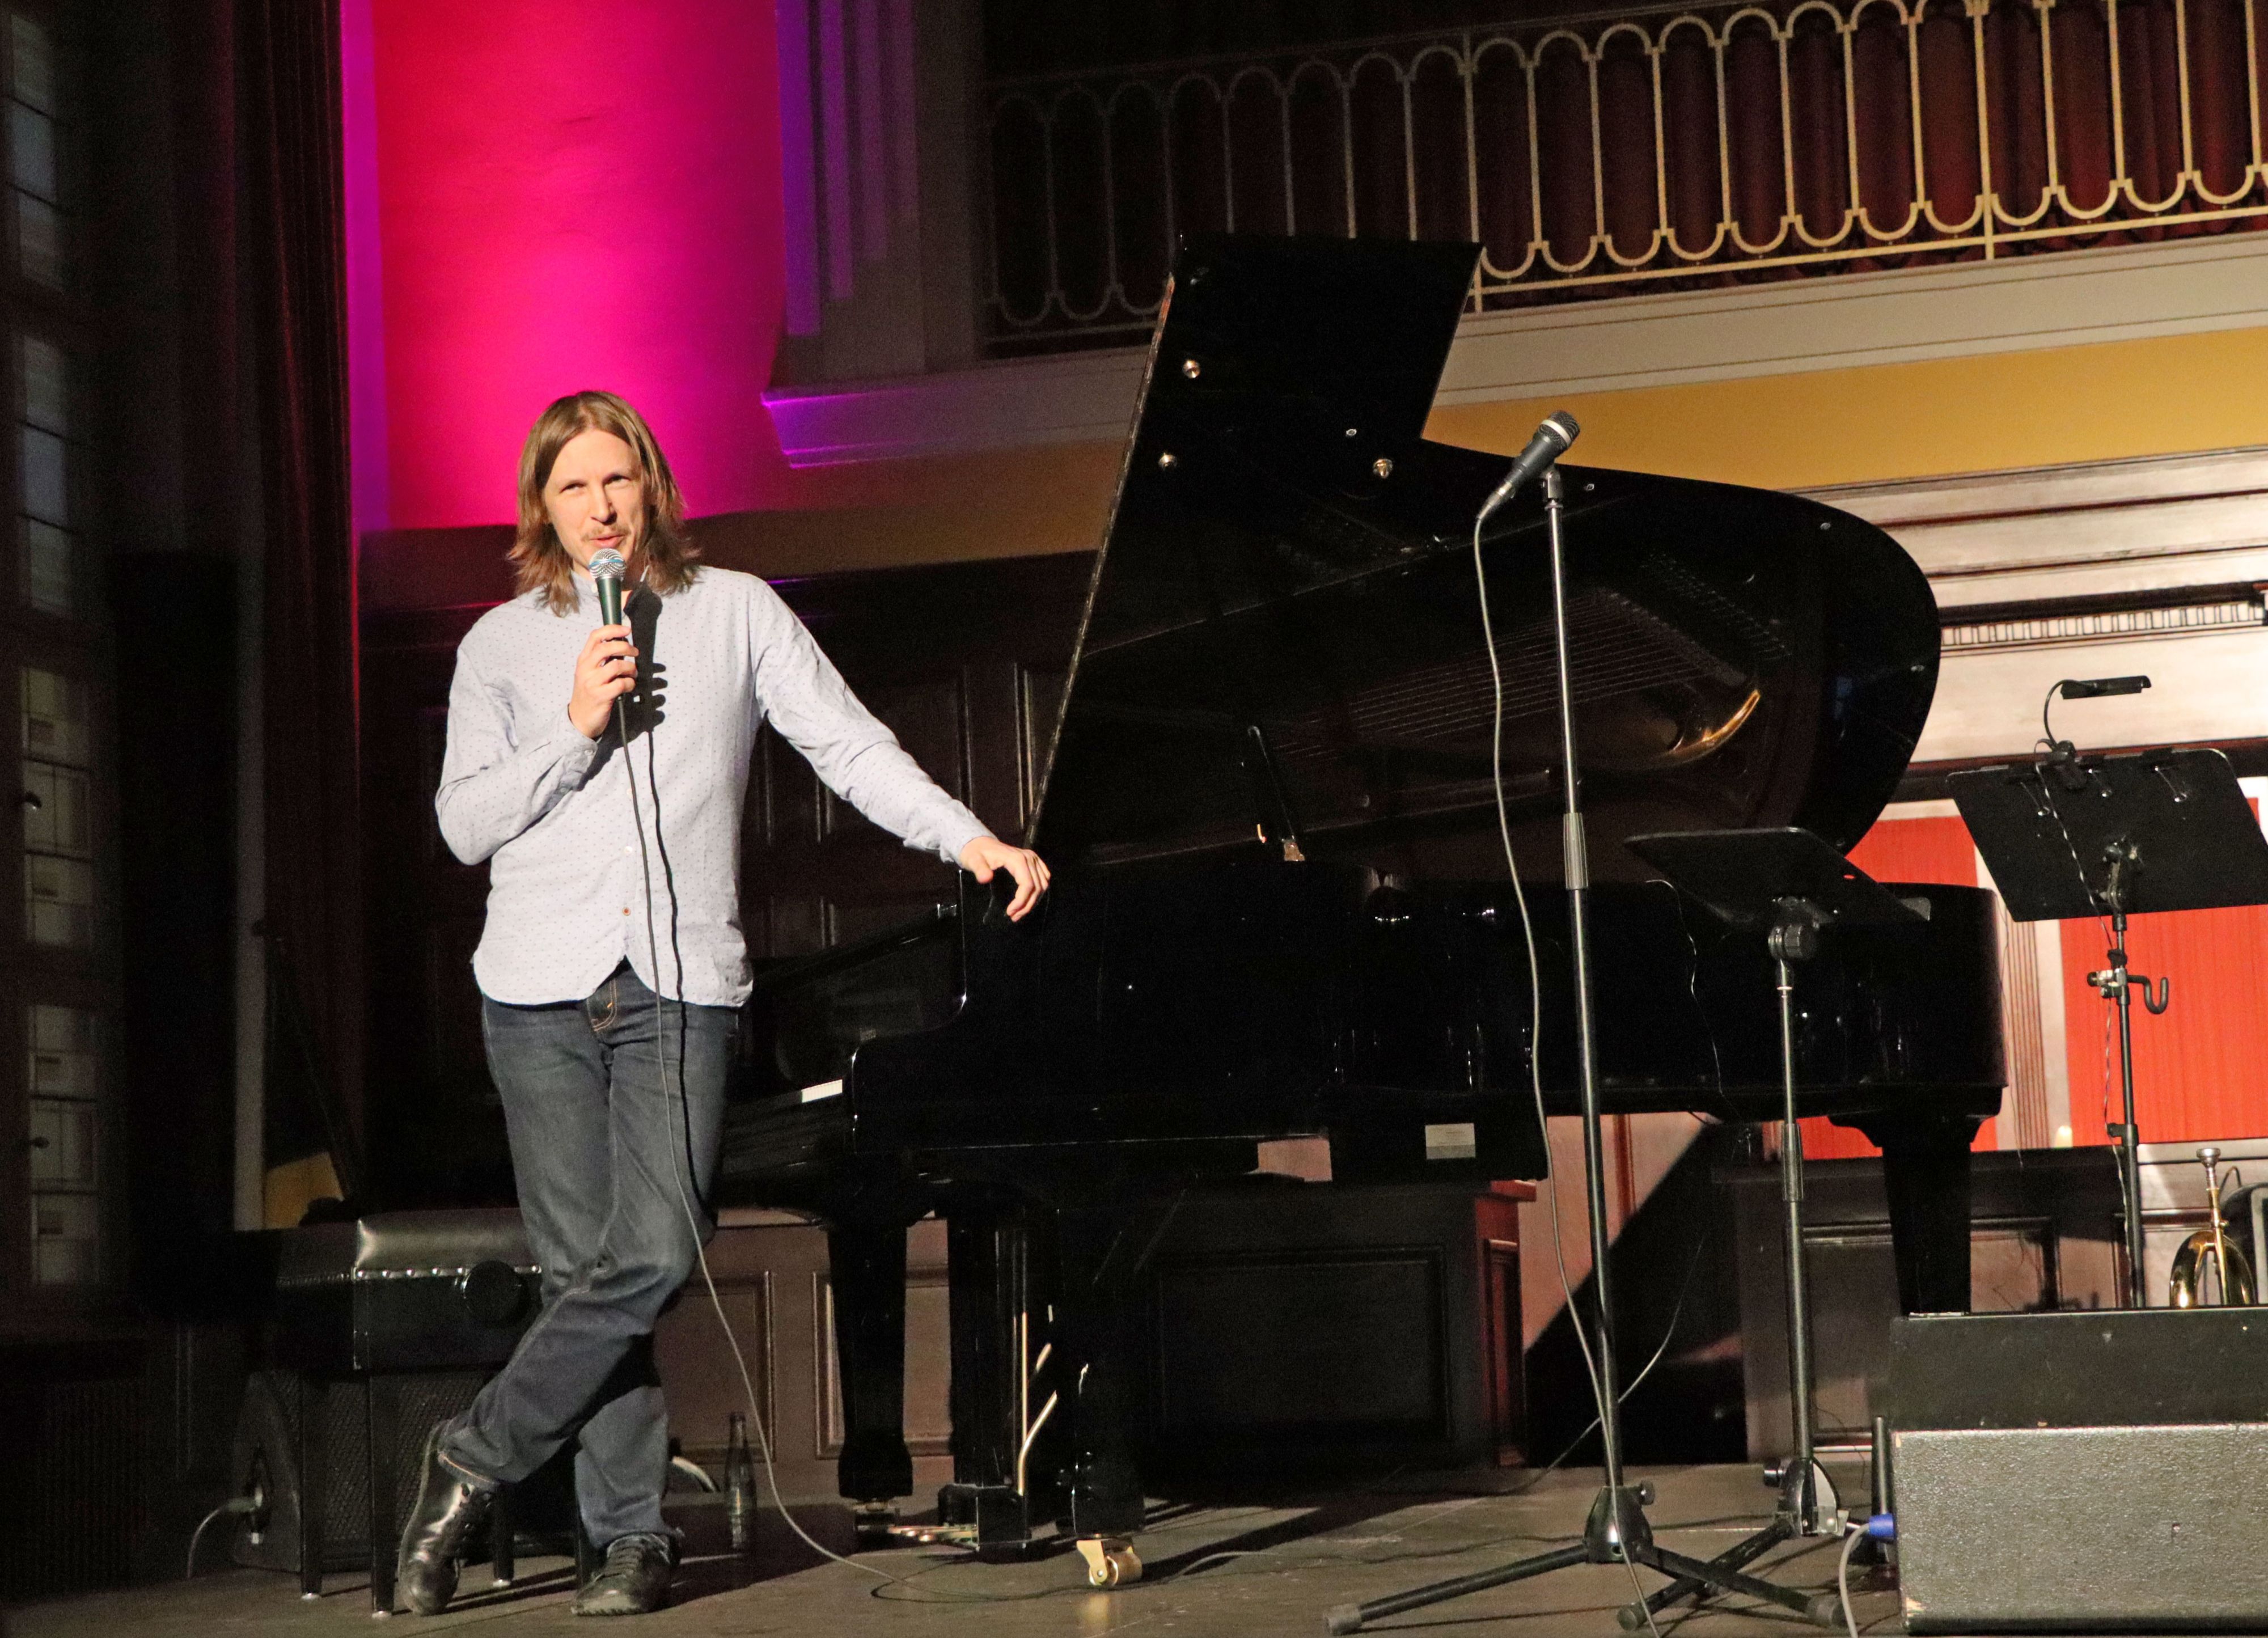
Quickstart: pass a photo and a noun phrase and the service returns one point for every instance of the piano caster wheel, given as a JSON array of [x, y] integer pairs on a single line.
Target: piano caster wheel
[[1110, 1561], [872, 1524]]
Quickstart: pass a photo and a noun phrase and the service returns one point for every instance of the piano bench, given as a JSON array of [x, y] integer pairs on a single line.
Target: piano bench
[[380, 1328]]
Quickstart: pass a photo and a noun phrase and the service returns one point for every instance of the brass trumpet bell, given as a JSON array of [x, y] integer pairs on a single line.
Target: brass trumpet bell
[[2237, 1285], [2233, 1268]]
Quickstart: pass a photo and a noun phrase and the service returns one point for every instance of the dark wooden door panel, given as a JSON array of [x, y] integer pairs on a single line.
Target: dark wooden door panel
[[927, 718]]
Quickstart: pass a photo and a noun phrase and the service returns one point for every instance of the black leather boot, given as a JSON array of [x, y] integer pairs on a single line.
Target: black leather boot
[[635, 1580], [449, 1508]]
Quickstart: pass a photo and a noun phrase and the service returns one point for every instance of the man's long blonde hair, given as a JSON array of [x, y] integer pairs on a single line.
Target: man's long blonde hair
[[662, 551]]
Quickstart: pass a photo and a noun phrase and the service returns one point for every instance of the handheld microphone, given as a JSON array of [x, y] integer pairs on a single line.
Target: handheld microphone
[[606, 570], [1550, 441]]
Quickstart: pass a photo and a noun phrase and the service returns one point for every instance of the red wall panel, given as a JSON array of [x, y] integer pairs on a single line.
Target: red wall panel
[[1935, 849], [2201, 1071], [571, 194]]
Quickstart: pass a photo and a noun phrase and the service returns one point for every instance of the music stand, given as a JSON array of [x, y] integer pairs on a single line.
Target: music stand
[[1791, 886], [2117, 835]]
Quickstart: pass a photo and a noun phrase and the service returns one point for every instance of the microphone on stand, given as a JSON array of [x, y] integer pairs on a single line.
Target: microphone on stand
[[1550, 441], [606, 570]]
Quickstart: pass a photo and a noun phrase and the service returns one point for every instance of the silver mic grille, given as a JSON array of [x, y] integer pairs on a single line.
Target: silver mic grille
[[606, 565]]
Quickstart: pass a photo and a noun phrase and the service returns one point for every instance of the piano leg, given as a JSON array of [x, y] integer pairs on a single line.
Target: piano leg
[[999, 1324], [1101, 1258], [1042, 1416], [986, 1253], [866, 1269], [1925, 1170]]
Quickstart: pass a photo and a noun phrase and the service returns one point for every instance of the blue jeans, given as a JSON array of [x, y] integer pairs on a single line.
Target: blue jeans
[[613, 1169]]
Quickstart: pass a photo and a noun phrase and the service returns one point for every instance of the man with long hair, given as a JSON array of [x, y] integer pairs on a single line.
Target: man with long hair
[[612, 963]]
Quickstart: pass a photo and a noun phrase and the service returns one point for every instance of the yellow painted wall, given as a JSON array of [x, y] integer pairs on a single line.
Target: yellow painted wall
[[291, 1187], [1986, 413], [937, 510], [2170, 395]]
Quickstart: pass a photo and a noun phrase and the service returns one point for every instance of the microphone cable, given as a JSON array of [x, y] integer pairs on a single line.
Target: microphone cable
[[682, 1163], [1536, 1021], [672, 1094]]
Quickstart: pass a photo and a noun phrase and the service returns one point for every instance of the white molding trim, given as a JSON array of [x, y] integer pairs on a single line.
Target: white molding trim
[[1075, 398], [2143, 523], [2150, 523], [1843, 321], [1786, 327]]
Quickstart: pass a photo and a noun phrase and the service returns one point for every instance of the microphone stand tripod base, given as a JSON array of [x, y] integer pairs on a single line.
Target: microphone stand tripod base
[[1801, 1513], [1618, 1533], [1615, 1531]]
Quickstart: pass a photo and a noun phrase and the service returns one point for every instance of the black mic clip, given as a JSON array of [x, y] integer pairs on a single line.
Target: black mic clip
[[2063, 758], [1552, 440]]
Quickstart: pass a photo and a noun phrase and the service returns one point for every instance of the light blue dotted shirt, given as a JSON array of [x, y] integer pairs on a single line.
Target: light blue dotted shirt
[[551, 810]]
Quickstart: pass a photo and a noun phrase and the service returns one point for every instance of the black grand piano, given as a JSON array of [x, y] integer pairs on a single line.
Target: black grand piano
[[1281, 906]]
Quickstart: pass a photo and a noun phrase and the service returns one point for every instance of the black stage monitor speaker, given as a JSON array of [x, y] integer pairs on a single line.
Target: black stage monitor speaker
[[2081, 1472], [268, 1454], [2083, 1529]]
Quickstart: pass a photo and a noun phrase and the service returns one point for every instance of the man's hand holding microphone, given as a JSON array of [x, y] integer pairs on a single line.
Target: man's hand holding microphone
[[607, 667]]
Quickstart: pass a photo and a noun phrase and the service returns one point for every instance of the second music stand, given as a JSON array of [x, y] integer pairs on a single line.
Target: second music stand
[[2117, 835], [1792, 887]]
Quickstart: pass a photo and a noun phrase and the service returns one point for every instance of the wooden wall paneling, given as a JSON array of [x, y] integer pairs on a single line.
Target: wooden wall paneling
[[2027, 1118], [793, 794], [928, 716], [770, 1271], [2043, 1229], [940, 655], [993, 700], [433, 1131], [1304, 1326], [1039, 697], [1496, 1222]]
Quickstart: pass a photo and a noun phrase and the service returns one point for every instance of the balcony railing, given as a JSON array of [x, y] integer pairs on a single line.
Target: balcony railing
[[1654, 148]]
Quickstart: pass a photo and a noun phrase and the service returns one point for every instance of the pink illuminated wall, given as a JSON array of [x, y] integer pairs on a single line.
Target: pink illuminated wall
[[571, 194]]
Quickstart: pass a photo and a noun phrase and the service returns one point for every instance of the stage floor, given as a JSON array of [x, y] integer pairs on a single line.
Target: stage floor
[[1212, 1570]]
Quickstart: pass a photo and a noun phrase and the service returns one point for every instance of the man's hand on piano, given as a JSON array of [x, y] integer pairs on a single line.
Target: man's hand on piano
[[986, 854]]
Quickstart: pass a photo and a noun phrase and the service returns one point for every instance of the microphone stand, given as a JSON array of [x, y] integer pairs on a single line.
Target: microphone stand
[[1616, 1530]]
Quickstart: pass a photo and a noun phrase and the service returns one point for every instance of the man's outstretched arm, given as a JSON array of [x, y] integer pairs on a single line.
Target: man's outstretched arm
[[861, 761]]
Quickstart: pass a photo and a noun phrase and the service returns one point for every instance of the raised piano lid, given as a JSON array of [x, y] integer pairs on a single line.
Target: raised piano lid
[[1288, 553]]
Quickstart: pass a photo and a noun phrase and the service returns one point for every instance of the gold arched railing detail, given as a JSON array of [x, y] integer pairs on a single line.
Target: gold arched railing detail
[[1639, 148]]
